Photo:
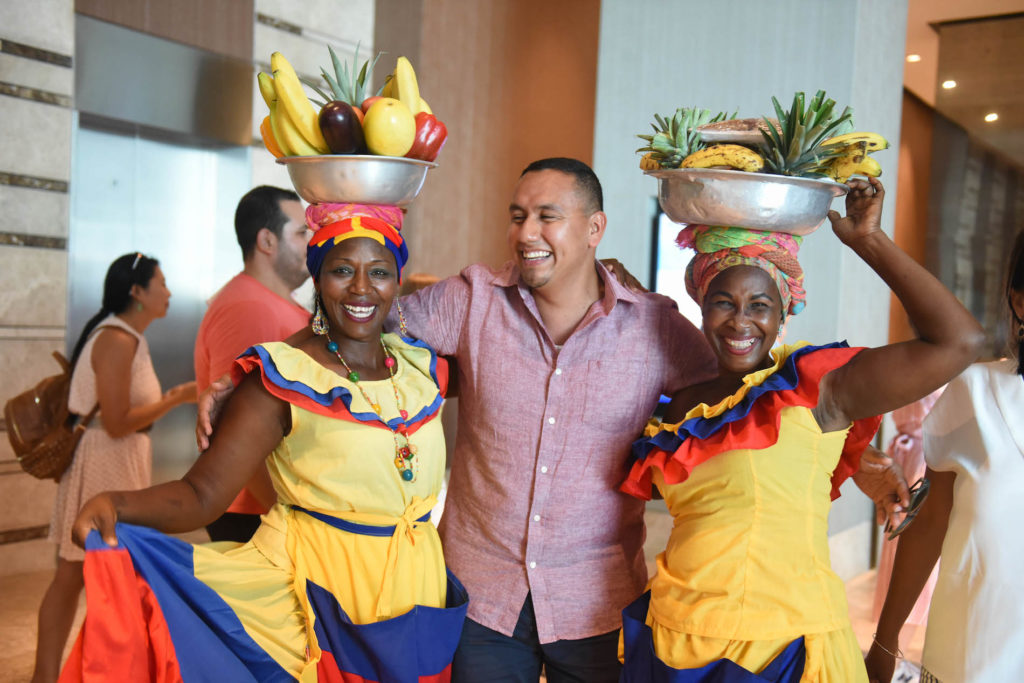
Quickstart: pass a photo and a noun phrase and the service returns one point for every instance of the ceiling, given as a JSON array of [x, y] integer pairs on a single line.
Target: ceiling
[[980, 45]]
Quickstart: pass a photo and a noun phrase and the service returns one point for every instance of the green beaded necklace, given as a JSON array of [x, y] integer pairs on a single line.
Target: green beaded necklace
[[405, 456]]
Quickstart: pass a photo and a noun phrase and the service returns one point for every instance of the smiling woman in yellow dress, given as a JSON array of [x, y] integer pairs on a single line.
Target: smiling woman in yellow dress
[[748, 462], [344, 579]]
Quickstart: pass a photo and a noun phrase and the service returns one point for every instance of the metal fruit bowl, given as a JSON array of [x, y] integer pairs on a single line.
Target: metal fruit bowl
[[757, 201], [357, 178]]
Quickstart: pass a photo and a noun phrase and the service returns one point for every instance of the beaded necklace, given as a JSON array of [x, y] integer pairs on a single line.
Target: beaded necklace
[[405, 456]]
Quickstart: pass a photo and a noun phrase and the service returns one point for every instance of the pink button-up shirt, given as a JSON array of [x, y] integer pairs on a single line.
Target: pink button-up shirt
[[543, 442]]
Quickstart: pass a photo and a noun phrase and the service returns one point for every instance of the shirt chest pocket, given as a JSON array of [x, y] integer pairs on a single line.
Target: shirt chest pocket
[[612, 401]]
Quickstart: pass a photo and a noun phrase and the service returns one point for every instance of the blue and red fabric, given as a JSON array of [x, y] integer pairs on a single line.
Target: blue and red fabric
[[753, 423], [643, 666], [300, 394], [151, 619]]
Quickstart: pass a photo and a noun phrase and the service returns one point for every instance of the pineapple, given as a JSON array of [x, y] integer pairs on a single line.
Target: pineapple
[[678, 138], [795, 148], [345, 84]]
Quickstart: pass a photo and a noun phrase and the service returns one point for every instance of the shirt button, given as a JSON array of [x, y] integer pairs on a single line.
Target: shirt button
[[533, 565], [544, 469], [558, 371], [551, 420], [536, 518]]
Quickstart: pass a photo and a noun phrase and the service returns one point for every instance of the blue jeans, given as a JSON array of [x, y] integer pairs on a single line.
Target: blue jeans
[[486, 656]]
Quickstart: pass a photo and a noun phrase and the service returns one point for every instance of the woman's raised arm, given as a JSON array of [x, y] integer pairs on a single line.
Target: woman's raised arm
[[949, 339]]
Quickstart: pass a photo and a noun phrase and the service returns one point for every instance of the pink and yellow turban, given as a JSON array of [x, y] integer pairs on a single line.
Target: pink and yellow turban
[[720, 247], [334, 223]]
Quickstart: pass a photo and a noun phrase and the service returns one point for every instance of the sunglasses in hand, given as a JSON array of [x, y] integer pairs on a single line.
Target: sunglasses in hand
[[918, 493]]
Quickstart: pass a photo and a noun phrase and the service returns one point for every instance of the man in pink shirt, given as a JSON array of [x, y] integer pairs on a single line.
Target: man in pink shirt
[[254, 306], [559, 367]]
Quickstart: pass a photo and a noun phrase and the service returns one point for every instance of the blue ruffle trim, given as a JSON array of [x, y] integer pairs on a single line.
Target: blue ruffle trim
[[329, 398], [786, 378]]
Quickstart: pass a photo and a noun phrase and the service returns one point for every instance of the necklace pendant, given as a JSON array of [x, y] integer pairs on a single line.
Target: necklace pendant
[[407, 475]]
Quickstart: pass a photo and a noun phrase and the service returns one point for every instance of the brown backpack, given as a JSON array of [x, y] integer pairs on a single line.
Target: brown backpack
[[41, 429]]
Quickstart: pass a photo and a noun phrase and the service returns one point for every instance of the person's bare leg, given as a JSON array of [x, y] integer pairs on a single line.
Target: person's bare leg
[[56, 615]]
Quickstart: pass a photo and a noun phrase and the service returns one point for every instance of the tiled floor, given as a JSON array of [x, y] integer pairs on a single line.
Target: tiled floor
[[20, 595]]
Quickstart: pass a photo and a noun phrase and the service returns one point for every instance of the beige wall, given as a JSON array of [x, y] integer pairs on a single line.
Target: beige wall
[[36, 91], [511, 89]]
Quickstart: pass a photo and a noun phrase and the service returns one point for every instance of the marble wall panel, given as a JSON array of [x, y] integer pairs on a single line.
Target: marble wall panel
[[32, 73], [47, 24], [306, 55], [37, 139], [34, 282], [33, 212], [349, 20], [23, 362]]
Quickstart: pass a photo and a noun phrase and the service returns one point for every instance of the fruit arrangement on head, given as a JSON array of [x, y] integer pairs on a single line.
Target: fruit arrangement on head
[[394, 122], [808, 141]]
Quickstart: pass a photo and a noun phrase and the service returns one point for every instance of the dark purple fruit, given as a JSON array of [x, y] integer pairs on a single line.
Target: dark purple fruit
[[341, 128]]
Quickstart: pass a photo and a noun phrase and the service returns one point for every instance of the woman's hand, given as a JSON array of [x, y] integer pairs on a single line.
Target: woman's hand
[[863, 211], [183, 393], [210, 404], [99, 513], [882, 480], [880, 664]]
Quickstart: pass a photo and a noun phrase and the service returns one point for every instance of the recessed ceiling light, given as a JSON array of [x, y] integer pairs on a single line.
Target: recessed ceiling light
[[992, 117], [913, 58], [949, 85]]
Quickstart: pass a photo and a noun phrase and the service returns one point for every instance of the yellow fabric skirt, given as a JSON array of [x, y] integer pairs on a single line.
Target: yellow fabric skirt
[[832, 657]]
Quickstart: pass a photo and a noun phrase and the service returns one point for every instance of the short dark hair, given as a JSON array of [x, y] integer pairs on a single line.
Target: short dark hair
[[260, 208], [586, 179]]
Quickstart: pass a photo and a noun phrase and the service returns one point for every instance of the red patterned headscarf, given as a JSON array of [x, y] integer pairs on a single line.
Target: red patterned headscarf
[[720, 247], [334, 223]]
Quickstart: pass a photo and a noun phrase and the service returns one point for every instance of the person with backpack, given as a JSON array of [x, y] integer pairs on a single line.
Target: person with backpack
[[115, 373]]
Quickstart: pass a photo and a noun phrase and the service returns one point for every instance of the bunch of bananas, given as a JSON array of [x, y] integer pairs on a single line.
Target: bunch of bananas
[[853, 150], [732, 156], [292, 128]]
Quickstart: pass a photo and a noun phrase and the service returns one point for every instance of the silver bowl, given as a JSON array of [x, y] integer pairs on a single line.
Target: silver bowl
[[357, 178], [757, 201]]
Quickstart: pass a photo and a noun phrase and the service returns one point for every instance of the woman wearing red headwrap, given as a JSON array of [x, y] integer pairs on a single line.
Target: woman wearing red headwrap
[[749, 462], [344, 580]]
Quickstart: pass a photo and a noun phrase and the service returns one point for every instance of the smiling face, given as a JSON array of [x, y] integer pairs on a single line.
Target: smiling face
[[155, 298], [552, 232], [742, 314], [358, 282]]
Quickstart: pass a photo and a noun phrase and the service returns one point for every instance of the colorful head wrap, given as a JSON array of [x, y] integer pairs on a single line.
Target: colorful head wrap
[[334, 223], [720, 247]]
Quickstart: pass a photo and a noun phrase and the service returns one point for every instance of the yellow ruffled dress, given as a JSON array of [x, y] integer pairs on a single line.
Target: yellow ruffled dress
[[746, 571], [348, 543]]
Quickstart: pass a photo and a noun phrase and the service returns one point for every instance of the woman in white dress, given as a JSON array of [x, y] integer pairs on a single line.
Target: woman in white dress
[[115, 452], [974, 447]]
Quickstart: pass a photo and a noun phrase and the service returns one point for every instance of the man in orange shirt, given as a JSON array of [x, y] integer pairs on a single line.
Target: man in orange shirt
[[255, 306]]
